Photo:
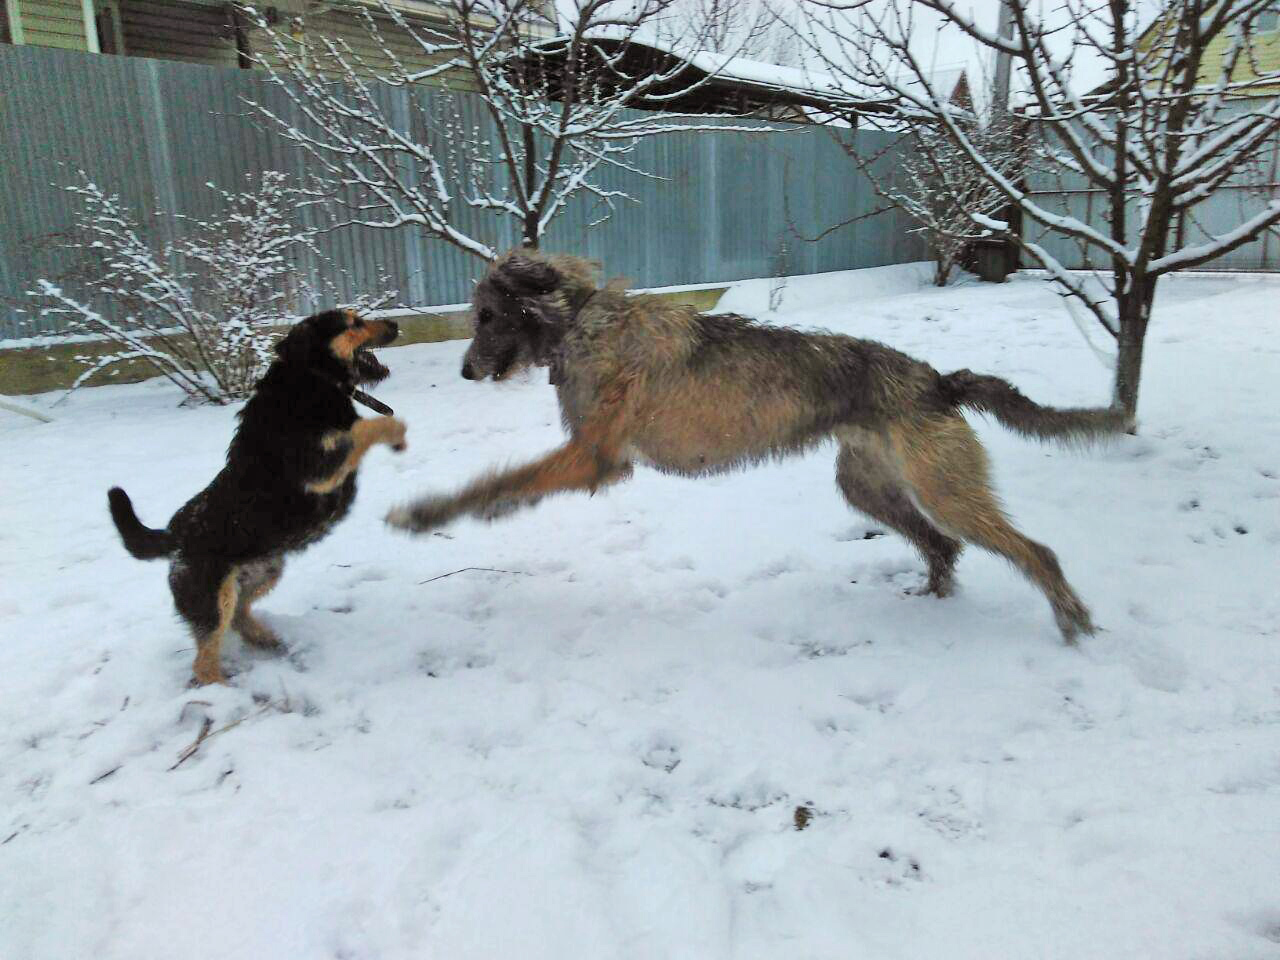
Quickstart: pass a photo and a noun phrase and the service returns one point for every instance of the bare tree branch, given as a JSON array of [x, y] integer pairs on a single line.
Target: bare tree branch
[[1187, 107], [556, 111]]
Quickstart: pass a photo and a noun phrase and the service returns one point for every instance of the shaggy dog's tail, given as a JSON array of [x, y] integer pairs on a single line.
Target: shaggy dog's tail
[[1006, 403], [143, 542]]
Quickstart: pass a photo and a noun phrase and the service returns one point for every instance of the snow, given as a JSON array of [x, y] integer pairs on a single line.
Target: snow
[[732, 66], [818, 290], [596, 745]]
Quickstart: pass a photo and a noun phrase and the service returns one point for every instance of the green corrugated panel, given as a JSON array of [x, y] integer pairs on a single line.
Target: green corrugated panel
[[147, 128]]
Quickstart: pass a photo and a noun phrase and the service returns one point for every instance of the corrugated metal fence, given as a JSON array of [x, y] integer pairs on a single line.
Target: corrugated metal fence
[[156, 133]]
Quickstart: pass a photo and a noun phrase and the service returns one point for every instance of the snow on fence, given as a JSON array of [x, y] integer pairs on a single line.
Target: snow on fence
[[157, 133]]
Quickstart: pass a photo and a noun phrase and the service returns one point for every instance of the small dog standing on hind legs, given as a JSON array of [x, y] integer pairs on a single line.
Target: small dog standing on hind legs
[[697, 394], [290, 476]]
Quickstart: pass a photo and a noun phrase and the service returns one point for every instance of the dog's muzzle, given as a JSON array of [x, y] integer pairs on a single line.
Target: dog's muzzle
[[368, 368], [390, 331]]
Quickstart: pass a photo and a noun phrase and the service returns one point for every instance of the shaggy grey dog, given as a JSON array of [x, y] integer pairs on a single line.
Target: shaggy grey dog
[[639, 378]]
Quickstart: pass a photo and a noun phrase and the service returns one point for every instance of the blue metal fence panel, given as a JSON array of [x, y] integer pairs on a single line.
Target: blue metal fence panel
[[719, 206]]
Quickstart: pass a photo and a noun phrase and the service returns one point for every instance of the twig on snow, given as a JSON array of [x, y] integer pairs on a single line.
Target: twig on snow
[[207, 734], [520, 573], [190, 751], [25, 411]]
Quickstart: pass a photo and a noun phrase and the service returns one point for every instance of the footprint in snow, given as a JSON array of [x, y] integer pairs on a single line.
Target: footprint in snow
[[1262, 923], [808, 648], [664, 757], [440, 663], [879, 699], [368, 575], [893, 868], [831, 725], [778, 568], [628, 541], [1153, 664]]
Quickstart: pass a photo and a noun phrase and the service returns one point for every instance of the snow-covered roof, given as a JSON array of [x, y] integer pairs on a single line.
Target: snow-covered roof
[[804, 81], [799, 82]]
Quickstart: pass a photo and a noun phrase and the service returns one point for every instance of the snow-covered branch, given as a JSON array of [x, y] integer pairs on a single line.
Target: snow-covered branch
[[200, 309], [1187, 106], [490, 113]]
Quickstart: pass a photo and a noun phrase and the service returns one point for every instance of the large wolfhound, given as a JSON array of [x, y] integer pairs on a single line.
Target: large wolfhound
[[639, 378]]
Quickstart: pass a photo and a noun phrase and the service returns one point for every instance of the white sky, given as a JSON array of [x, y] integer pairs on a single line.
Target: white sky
[[947, 48]]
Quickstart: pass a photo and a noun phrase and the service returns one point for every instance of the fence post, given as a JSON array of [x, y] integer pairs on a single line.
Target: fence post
[[159, 156], [716, 255], [415, 265]]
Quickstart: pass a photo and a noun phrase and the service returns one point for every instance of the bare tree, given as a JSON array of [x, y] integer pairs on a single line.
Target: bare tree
[[552, 115], [751, 29], [1179, 114], [933, 182]]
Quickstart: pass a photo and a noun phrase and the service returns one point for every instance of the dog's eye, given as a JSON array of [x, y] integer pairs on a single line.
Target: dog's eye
[[484, 316], [357, 322]]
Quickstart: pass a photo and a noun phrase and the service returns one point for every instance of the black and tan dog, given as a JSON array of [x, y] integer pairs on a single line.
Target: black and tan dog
[[639, 378], [290, 476]]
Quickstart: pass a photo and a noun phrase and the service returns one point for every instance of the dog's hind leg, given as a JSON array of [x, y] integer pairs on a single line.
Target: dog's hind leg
[[205, 593], [256, 580], [871, 483], [946, 469]]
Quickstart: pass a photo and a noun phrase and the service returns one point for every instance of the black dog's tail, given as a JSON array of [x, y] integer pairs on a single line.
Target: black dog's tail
[[143, 542], [1006, 403]]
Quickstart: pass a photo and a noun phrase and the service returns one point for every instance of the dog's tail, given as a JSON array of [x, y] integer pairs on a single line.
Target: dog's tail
[[1007, 404], [143, 542]]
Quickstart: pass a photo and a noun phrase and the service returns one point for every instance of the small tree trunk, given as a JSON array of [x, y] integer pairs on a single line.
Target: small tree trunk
[[1135, 314], [941, 269], [1129, 372], [531, 217]]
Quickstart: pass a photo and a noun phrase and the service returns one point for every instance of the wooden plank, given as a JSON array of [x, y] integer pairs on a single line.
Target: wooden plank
[[56, 40], [37, 29], [53, 8], [350, 28]]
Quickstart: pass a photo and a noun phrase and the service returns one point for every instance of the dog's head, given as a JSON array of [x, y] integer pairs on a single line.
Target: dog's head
[[339, 342], [521, 309]]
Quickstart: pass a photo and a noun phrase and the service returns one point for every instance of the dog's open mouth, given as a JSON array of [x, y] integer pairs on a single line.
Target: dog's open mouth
[[506, 364], [369, 369]]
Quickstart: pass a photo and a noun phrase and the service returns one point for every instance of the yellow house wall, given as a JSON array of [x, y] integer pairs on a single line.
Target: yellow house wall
[[53, 23]]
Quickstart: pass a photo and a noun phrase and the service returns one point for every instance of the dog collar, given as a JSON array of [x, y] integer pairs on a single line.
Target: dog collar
[[373, 403], [359, 396]]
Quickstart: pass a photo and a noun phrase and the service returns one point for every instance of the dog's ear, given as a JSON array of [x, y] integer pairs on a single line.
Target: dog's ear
[[526, 276], [295, 345]]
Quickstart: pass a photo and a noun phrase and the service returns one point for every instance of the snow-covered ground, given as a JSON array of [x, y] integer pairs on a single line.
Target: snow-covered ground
[[585, 731]]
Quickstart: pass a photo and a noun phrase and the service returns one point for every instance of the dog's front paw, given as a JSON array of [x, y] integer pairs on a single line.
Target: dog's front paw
[[393, 432], [422, 515]]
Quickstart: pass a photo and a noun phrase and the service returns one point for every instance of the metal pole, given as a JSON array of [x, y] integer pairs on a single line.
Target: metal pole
[[1004, 64], [16, 33]]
